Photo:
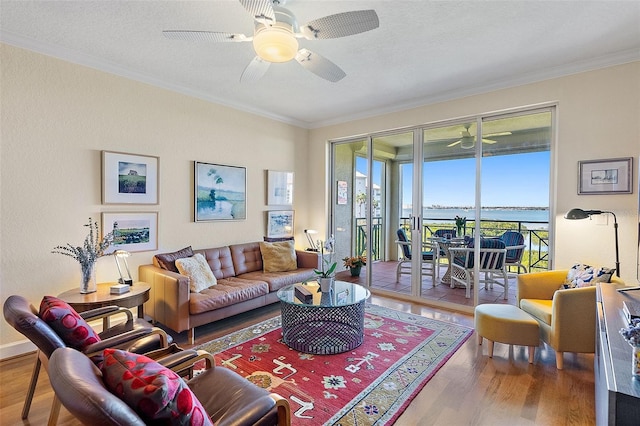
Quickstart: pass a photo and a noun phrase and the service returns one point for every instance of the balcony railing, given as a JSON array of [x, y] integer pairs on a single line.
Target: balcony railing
[[536, 236]]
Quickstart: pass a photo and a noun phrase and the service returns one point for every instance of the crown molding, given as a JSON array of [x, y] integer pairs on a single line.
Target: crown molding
[[617, 58], [99, 64]]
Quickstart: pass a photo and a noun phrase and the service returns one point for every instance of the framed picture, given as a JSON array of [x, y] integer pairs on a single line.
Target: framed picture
[[220, 192], [129, 178], [279, 188], [280, 224], [131, 231], [611, 176], [342, 192]]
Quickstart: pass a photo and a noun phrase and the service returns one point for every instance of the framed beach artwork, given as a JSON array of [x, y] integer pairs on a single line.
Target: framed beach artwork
[[129, 178], [131, 231], [342, 192], [280, 224], [279, 188], [220, 192], [613, 176]]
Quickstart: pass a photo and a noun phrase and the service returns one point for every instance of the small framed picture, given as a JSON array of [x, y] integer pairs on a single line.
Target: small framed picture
[[131, 231], [280, 224], [129, 178], [342, 192], [220, 192], [613, 176], [279, 188]]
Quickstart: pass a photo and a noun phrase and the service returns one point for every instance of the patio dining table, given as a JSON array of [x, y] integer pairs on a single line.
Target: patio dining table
[[445, 244]]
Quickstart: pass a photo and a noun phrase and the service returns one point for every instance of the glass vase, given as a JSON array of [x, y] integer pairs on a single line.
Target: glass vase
[[635, 362], [88, 278]]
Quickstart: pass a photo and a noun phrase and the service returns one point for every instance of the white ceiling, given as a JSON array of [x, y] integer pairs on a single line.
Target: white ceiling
[[423, 51]]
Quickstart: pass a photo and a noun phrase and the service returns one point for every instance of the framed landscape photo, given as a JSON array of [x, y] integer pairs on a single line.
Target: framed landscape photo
[[220, 192], [129, 178], [131, 231], [612, 176], [279, 188], [280, 224]]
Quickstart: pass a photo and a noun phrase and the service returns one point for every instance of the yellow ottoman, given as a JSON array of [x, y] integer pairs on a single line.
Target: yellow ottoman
[[506, 324]]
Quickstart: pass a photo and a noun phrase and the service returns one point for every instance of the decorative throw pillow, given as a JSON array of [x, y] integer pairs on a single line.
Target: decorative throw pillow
[[580, 275], [67, 323], [198, 270], [604, 274], [168, 260], [156, 393], [279, 256]]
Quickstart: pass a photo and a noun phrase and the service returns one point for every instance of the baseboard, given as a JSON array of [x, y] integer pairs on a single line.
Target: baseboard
[[14, 349]]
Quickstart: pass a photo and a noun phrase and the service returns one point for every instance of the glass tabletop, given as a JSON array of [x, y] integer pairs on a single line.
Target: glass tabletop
[[343, 294]]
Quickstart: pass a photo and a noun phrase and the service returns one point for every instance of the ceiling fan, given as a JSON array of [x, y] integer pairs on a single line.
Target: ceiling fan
[[468, 141], [276, 34]]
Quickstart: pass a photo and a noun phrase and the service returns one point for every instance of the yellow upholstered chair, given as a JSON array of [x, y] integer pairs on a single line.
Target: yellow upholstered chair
[[567, 318]]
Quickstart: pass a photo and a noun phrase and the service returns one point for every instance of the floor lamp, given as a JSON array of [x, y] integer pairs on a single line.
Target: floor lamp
[[583, 214]]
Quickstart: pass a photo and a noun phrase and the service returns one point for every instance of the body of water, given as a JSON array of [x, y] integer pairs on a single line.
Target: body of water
[[522, 215]]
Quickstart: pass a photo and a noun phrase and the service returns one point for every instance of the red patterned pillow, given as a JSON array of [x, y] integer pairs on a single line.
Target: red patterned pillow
[[64, 320], [153, 391]]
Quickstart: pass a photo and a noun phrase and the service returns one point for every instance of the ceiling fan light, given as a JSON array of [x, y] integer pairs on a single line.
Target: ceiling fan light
[[274, 44], [467, 142]]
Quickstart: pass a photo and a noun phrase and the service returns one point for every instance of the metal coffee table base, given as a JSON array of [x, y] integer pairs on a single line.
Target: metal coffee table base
[[323, 330]]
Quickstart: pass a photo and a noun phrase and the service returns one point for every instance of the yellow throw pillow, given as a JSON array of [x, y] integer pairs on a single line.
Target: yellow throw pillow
[[198, 271], [279, 256]]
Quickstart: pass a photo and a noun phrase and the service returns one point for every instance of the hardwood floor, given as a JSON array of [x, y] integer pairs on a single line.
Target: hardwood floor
[[471, 389]]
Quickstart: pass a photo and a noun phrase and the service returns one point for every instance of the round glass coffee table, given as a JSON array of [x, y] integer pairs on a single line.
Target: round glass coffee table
[[326, 323]]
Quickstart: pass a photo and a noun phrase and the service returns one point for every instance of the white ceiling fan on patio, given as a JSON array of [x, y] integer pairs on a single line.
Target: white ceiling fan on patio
[[276, 34], [468, 141]]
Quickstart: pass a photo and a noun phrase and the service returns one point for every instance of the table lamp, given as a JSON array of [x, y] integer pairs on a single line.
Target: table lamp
[[312, 244], [574, 214], [121, 256]]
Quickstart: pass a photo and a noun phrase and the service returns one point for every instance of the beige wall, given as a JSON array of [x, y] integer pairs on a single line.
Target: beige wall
[[598, 117], [56, 118]]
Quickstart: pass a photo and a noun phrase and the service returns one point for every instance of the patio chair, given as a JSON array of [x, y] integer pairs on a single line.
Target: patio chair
[[429, 257], [492, 265], [514, 243], [135, 335], [443, 233]]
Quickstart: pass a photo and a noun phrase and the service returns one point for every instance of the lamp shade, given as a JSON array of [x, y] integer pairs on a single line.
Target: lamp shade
[[274, 44], [574, 214]]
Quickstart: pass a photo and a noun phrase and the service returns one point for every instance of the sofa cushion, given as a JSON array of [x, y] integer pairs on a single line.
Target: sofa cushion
[[168, 260], [277, 280], [246, 257], [198, 271], [156, 393], [228, 291], [538, 308], [604, 274], [278, 256], [67, 323]]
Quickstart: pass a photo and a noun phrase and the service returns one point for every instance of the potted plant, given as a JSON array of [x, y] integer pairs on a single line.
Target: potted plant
[[87, 255], [355, 264], [632, 334], [460, 222], [324, 275]]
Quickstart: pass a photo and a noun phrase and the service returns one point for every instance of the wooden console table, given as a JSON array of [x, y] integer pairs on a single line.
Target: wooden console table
[[617, 392], [135, 297]]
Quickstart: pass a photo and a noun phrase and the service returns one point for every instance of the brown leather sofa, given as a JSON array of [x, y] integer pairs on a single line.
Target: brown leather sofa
[[242, 285]]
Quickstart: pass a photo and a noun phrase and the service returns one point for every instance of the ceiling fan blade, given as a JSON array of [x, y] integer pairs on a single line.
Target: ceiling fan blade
[[454, 143], [319, 65], [214, 36], [341, 24], [488, 141], [499, 134], [255, 70], [260, 10]]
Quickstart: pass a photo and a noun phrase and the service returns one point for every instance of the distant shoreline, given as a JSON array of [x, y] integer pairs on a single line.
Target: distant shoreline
[[436, 207]]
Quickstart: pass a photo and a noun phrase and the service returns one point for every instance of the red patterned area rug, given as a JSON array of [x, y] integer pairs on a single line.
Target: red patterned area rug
[[371, 385]]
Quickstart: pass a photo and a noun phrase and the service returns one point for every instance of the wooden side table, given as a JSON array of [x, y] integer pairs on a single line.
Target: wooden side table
[[135, 297]]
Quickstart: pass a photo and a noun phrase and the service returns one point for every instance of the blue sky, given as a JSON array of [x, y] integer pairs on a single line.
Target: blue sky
[[518, 180]]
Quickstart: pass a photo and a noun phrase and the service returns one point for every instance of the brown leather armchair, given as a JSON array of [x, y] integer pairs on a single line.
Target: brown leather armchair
[[134, 335], [227, 397]]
